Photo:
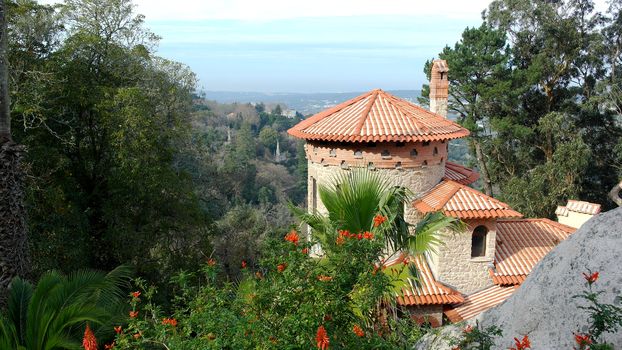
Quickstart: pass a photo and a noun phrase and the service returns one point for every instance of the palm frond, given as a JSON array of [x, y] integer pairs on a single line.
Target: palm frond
[[426, 237]]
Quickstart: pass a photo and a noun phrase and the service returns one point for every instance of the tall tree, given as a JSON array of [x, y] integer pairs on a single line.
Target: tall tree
[[13, 244]]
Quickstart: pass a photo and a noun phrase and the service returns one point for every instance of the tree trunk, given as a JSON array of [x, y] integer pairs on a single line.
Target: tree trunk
[[13, 245], [483, 168]]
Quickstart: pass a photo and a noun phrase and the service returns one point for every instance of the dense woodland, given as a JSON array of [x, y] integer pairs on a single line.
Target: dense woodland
[[126, 164]]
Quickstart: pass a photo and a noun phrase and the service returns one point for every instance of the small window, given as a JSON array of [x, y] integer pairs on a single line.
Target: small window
[[398, 165], [426, 143], [358, 154], [344, 165], [371, 166], [385, 154], [443, 141], [322, 162], [333, 152], [425, 163], [435, 152], [413, 153], [478, 242]]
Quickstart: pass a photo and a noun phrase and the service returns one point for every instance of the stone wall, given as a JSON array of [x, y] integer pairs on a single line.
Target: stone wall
[[453, 265]]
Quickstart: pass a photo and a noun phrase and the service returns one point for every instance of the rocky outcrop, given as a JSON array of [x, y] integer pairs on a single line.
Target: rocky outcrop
[[544, 307]]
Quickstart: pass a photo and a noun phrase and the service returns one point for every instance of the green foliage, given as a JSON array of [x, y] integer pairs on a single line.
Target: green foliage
[[477, 338], [52, 314]]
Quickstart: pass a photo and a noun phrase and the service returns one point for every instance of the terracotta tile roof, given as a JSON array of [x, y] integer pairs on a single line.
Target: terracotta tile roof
[[578, 207], [426, 291], [479, 302], [463, 202], [521, 244], [377, 116], [460, 174]]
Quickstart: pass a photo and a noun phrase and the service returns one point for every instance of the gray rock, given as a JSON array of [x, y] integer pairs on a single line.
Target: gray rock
[[544, 307]]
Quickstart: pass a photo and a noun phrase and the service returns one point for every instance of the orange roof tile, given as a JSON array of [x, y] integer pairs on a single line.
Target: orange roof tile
[[521, 244], [578, 207], [460, 174], [463, 202], [479, 302], [425, 291], [377, 116]]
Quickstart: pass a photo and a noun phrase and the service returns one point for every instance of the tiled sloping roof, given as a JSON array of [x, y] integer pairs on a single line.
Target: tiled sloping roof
[[463, 202], [521, 244], [578, 207], [425, 291], [460, 174], [377, 116], [479, 302]]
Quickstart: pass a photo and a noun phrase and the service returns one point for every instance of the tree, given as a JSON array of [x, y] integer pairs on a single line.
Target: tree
[[13, 244], [277, 110], [479, 82], [52, 314], [268, 137]]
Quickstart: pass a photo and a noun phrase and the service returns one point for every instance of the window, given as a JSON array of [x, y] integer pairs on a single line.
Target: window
[[333, 152], [313, 195], [358, 154], [385, 154], [413, 153], [478, 242], [435, 151], [370, 166], [398, 165]]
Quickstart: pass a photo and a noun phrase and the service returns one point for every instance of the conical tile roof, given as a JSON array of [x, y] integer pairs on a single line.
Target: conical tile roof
[[377, 116]]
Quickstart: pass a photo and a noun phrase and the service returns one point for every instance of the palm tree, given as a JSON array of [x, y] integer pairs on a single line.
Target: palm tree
[[53, 314], [354, 199], [13, 247]]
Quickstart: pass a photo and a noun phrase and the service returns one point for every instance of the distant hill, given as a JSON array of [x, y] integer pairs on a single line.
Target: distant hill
[[305, 103]]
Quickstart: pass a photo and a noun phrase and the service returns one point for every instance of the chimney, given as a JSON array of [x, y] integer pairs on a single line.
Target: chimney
[[439, 86]]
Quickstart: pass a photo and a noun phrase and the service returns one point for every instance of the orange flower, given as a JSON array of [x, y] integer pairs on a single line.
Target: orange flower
[[133, 314], [211, 262], [281, 267], [109, 346], [136, 335], [376, 268], [305, 251], [522, 344], [117, 329], [89, 342], [169, 321], [293, 237], [243, 264], [468, 329], [340, 240], [583, 340], [259, 275], [321, 337], [136, 294], [368, 235], [378, 220], [324, 278], [591, 278], [358, 331]]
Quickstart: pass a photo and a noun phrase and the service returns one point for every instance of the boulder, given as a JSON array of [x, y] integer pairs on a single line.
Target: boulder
[[544, 307]]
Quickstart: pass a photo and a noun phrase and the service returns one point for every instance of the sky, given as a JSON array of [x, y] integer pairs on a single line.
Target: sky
[[307, 46]]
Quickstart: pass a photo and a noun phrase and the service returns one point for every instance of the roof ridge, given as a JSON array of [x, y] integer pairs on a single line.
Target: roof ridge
[[365, 114], [319, 116], [399, 102]]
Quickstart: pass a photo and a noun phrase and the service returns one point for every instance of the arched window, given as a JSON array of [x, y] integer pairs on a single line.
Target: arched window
[[478, 242]]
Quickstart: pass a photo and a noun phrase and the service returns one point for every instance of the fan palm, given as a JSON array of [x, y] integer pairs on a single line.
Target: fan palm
[[52, 314], [355, 198]]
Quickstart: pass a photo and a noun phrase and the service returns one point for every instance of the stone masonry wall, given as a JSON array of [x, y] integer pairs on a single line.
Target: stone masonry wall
[[453, 265]]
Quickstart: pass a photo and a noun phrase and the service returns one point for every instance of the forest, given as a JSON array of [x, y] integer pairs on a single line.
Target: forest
[[195, 210]]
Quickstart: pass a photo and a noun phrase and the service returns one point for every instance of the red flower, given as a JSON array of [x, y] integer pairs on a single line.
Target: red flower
[[117, 329], [359, 236], [583, 340], [109, 346], [293, 237], [305, 251], [281, 267], [211, 262], [406, 261], [591, 278], [321, 337], [378, 220], [522, 344], [136, 294], [89, 342], [243, 264], [368, 235], [133, 314], [340, 240], [324, 278], [358, 331], [170, 321]]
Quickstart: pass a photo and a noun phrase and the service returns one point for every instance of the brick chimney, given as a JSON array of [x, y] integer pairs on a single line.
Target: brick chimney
[[439, 86]]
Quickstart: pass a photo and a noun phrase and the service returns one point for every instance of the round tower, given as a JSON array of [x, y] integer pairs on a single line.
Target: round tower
[[383, 133]]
